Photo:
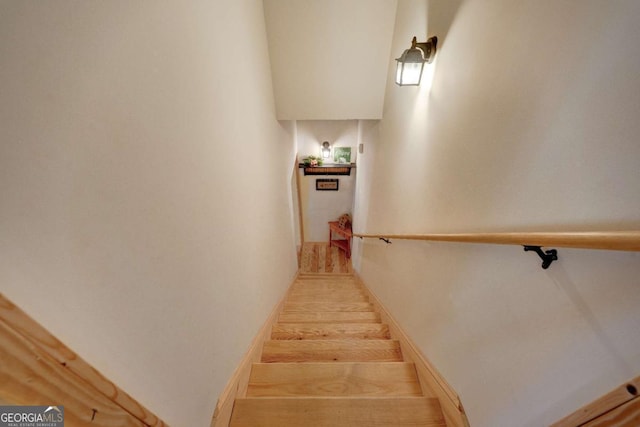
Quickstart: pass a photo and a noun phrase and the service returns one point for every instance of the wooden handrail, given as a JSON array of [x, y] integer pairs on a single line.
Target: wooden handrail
[[609, 240]]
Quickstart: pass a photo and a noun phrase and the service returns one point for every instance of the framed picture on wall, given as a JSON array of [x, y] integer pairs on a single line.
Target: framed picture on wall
[[327, 184], [342, 154]]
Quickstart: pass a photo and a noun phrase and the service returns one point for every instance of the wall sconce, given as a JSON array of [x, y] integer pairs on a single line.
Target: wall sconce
[[326, 150], [411, 62]]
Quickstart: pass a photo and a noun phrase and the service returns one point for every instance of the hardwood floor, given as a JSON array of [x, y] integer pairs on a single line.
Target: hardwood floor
[[317, 257]]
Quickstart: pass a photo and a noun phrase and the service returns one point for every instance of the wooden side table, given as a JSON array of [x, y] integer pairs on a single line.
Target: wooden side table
[[344, 244]]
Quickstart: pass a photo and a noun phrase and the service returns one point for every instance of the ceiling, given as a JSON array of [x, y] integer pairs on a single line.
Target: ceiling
[[329, 58]]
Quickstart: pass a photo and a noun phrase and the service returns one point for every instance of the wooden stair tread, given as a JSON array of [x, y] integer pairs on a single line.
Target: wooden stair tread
[[333, 379], [331, 412], [327, 306], [331, 317], [331, 350], [317, 331]]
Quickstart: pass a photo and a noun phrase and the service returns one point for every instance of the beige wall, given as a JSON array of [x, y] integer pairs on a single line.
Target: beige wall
[[144, 188], [530, 123]]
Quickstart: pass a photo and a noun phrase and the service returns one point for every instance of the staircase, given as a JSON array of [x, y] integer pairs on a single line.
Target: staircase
[[331, 362]]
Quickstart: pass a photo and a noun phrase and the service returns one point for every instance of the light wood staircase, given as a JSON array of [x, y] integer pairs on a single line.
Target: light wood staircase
[[332, 362]]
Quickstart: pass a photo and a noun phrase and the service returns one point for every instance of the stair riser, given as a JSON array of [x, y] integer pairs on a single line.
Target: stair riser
[[331, 351], [327, 292], [312, 307], [326, 287], [329, 331], [330, 317], [327, 297], [323, 412], [326, 278]]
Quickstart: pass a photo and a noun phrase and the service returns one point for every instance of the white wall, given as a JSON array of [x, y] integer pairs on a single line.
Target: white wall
[[328, 57], [368, 138], [134, 224], [320, 207], [530, 123]]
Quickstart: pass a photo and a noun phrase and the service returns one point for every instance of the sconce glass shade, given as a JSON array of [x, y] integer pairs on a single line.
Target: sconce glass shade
[[411, 63], [326, 150], [408, 71]]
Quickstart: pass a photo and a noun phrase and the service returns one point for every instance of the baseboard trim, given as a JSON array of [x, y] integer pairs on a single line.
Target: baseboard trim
[[239, 381], [57, 367], [430, 379]]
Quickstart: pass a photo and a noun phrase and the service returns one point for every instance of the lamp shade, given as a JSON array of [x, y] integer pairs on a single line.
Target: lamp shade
[[409, 67], [326, 150]]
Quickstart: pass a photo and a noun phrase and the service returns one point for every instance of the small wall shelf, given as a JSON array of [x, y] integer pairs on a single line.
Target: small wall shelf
[[328, 169]]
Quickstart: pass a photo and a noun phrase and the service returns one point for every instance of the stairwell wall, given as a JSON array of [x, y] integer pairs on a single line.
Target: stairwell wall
[[527, 121], [144, 188]]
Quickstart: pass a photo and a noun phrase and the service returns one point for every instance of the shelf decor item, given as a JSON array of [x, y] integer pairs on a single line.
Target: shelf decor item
[[342, 154], [312, 161]]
